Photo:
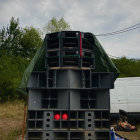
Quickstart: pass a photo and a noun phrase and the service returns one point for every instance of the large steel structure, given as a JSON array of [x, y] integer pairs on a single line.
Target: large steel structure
[[69, 101]]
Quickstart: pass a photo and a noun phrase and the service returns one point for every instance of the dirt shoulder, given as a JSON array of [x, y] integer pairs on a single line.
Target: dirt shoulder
[[130, 135]]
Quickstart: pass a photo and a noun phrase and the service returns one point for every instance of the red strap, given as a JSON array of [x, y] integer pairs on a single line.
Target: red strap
[[81, 55]]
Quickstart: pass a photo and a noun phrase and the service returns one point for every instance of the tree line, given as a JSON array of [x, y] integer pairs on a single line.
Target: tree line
[[128, 67], [18, 46]]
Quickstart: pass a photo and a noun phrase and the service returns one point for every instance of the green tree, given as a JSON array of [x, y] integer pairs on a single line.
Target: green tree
[[18, 41], [30, 42], [17, 47], [11, 70], [55, 25], [10, 37]]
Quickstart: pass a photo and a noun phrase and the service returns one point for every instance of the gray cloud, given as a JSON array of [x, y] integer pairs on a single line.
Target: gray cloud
[[93, 16]]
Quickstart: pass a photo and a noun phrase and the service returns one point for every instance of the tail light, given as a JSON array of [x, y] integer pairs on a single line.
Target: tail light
[[57, 116], [65, 116]]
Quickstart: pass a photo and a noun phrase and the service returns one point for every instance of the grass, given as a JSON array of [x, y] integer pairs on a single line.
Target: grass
[[11, 120]]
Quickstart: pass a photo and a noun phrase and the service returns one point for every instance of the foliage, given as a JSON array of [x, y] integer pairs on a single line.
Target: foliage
[[10, 37], [128, 67], [55, 25], [11, 70], [30, 42], [18, 41], [17, 47]]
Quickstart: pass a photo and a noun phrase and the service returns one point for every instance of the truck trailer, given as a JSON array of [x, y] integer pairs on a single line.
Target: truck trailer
[[68, 87]]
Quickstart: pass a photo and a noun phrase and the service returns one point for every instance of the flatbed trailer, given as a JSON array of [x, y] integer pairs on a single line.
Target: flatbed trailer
[[69, 99]]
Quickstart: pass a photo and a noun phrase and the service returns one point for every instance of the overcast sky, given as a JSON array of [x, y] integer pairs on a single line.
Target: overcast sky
[[96, 16]]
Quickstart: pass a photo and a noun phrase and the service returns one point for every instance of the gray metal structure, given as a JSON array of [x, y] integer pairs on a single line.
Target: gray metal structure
[[69, 86]]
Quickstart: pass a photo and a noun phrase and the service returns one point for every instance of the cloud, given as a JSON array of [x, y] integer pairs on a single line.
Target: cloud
[[100, 16]]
